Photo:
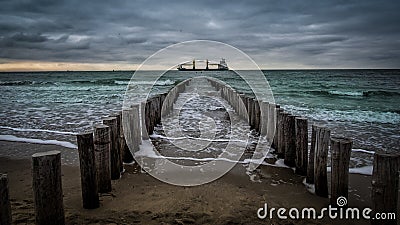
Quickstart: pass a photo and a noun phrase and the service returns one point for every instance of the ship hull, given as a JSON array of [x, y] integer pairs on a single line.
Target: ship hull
[[183, 69]]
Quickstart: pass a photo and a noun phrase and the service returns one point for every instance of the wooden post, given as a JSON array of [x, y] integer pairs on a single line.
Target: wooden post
[[247, 104], [290, 141], [251, 112], [340, 159], [236, 101], [102, 147], [137, 136], [47, 188], [311, 155], [264, 118], [156, 106], [118, 116], [5, 206], [162, 99], [148, 119], [275, 139], [320, 160], [271, 124], [126, 155], [145, 135], [385, 185], [153, 112], [242, 106], [301, 145], [90, 196], [114, 151], [281, 133], [257, 115], [245, 100]]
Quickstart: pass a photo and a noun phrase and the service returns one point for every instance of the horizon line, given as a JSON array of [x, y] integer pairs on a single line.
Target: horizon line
[[262, 69]]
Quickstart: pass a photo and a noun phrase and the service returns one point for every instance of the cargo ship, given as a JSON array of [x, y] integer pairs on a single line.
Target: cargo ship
[[209, 65]]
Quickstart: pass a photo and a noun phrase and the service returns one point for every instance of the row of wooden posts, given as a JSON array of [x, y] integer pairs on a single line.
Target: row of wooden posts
[[102, 154], [288, 135], [103, 151]]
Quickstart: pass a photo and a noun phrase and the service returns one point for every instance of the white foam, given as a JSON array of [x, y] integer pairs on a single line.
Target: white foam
[[147, 150], [200, 139], [310, 187], [365, 170], [165, 82], [143, 82], [363, 151], [253, 177], [347, 93], [281, 163], [37, 141], [38, 130], [357, 116]]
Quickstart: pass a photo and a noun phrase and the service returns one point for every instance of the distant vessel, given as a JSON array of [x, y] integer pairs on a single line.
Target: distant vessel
[[191, 65]]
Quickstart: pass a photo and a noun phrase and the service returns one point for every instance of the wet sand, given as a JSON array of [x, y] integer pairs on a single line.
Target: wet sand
[[138, 198]]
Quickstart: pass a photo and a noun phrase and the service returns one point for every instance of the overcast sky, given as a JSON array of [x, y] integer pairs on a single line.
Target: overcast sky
[[106, 34]]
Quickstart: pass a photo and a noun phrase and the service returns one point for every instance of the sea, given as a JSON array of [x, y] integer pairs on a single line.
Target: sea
[[52, 107]]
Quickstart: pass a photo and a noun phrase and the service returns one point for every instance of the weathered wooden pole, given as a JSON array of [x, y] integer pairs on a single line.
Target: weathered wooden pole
[[148, 115], [126, 155], [257, 114], [301, 145], [90, 196], [236, 102], [145, 135], [290, 141], [137, 136], [251, 112], [281, 133], [242, 106], [385, 186], [340, 159], [311, 155], [275, 139], [118, 116], [114, 150], [245, 100], [264, 118], [102, 145], [154, 110], [5, 206], [320, 160], [271, 123], [47, 188], [157, 111], [248, 109], [163, 96], [230, 96]]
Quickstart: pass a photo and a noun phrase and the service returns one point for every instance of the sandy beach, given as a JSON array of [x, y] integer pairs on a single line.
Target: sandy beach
[[138, 198]]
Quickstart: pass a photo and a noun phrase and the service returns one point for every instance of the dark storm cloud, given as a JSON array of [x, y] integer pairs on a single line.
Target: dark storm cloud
[[309, 33]]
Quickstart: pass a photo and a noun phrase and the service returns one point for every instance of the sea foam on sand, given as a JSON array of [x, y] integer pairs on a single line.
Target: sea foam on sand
[[37, 141]]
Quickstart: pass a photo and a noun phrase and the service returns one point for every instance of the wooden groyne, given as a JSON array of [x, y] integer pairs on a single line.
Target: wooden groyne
[[104, 150]]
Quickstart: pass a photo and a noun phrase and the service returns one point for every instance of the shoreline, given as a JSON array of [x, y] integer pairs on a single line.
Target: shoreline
[[139, 198]]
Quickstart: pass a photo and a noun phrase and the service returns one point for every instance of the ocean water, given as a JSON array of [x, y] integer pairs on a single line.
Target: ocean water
[[51, 107]]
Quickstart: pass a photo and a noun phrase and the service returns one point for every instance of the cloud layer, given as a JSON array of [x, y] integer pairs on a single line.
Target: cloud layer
[[277, 34]]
